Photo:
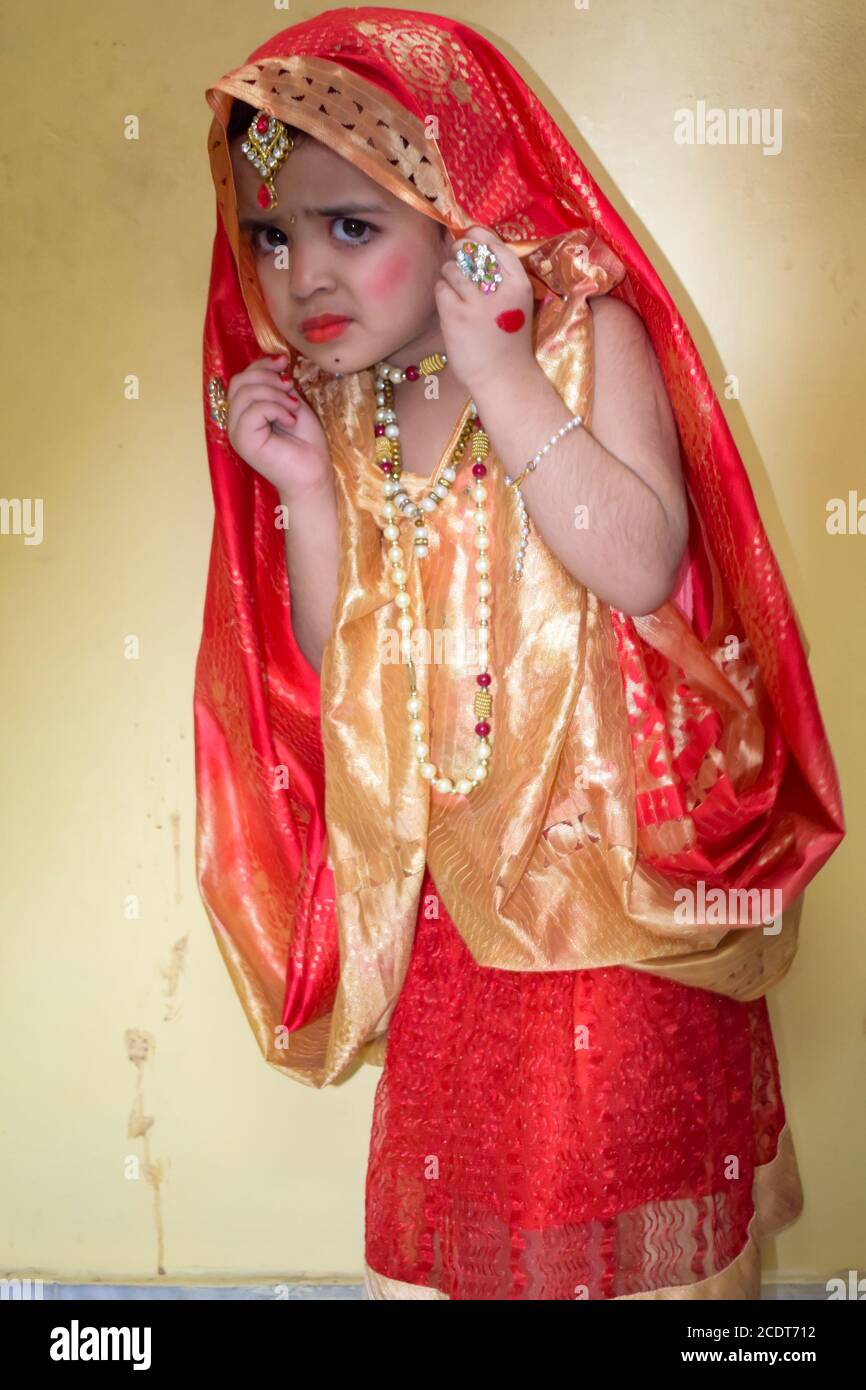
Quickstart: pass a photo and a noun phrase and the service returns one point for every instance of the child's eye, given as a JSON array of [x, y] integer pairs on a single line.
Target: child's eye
[[264, 229], [354, 222]]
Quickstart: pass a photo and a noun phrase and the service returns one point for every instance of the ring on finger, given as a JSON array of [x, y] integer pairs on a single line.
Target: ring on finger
[[480, 265]]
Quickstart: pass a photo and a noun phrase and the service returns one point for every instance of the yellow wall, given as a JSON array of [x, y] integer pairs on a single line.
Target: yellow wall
[[107, 249]]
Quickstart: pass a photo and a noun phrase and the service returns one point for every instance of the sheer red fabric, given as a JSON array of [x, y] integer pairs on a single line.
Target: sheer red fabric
[[562, 1135]]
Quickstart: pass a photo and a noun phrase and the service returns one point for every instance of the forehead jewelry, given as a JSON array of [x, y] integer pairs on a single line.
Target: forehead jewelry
[[479, 265], [267, 146]]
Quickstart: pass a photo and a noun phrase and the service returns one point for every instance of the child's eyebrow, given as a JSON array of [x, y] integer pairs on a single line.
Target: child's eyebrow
[[344, 210]]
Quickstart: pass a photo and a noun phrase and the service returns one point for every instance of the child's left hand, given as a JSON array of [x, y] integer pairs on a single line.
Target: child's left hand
[[487, 337]]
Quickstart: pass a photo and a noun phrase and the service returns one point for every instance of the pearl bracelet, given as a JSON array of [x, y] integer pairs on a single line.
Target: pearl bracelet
[[554, 438]]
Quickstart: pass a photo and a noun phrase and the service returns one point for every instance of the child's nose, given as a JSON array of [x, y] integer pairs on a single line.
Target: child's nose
[[310, 269]]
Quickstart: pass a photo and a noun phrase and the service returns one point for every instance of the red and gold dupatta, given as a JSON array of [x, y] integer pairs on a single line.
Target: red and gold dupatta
[[695, 731]]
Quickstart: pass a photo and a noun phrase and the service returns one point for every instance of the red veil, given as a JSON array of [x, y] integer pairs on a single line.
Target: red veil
[[262, 842]]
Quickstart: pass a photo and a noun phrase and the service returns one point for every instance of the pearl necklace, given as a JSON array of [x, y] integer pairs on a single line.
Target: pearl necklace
[[396, 500]]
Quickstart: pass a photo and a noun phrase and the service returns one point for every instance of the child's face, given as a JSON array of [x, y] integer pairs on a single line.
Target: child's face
[[378, 268]]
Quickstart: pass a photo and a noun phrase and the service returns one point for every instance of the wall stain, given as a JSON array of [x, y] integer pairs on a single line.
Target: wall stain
[[175, 845], [171, 975], [140, 1047]]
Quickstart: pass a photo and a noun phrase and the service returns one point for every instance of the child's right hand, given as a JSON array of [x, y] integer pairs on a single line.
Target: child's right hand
[[275, 431]]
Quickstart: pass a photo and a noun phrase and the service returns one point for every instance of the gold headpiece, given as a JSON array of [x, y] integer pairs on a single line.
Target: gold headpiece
[[268, 145]]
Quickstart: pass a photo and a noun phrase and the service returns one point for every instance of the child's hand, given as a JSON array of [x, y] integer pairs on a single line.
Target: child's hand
[[275, 431], [488, 337]]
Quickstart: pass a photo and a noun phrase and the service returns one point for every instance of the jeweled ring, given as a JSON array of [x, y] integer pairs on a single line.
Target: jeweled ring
[[479, 265], [218, 400]]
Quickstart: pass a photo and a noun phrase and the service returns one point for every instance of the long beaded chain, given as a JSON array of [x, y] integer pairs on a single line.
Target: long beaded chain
[[396, 500]]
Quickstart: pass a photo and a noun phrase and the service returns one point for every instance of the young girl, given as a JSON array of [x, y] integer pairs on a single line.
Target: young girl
[[499, 685]]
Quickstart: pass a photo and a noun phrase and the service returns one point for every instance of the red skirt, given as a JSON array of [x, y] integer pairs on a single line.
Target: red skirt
[[565, 1134]]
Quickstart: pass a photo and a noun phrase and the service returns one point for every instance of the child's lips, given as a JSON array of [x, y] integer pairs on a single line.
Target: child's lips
[[317, 333]]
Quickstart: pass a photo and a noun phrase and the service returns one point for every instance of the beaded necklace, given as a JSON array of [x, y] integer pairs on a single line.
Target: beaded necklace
[[396, 502]]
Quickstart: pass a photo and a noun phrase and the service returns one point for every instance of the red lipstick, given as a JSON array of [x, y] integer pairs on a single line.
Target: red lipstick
[[324, 327]]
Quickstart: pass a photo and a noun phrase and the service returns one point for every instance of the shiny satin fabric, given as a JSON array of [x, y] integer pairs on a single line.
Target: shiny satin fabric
[[632, 757]]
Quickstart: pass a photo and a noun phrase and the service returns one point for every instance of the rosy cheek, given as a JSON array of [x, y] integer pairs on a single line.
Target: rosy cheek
[[389, 278]]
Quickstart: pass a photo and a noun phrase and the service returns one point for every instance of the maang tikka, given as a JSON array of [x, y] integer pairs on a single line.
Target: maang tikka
[[267, 146]]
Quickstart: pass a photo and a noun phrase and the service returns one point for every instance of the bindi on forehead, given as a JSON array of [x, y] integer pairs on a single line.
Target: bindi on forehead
[[284, 213]]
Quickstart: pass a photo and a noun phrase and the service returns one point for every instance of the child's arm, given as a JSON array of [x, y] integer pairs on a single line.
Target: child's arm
[[278, 434], [610, 501], [311, 559]]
